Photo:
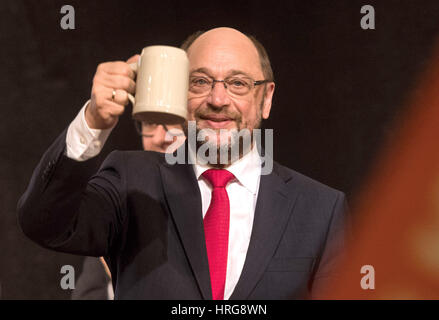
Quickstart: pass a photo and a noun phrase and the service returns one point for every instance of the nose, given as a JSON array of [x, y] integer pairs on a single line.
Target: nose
[[218, 96]]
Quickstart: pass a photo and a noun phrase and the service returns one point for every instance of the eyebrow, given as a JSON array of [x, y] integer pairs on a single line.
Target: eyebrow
[[231, 73]]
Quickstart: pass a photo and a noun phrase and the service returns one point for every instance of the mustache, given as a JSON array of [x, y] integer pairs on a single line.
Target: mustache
[[206, 112]]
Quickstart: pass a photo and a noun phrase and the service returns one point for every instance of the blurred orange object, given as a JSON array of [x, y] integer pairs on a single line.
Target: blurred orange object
[[397, 214]]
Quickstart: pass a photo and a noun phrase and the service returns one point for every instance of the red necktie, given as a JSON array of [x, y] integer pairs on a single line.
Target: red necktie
[[216, 229]]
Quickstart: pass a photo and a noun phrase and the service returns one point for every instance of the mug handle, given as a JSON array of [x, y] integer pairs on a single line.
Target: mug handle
[[133, 67]]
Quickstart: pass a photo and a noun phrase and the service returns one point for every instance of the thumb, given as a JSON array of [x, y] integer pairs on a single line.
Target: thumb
[[133, 59]]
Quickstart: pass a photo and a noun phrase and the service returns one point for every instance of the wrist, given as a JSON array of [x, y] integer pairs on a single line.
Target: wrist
[[89, 118]]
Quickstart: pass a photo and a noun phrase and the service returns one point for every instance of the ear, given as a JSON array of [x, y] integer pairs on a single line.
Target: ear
[[269, 90]]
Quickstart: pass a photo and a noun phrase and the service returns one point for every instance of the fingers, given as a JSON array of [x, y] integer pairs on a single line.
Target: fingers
[[102, 94], [111, 109], [133, 59], [112, 83], [106, 106], [117, 68], [120, 97], [117, 82], [103, 111], [108, 113]]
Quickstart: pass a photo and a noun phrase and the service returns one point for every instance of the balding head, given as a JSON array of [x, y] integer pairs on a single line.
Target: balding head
[[230, 34], [225, 34], [228, 90], [225, 48]]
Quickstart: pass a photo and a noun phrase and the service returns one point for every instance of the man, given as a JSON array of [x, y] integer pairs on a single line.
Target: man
[[94, 283], [183, 231]]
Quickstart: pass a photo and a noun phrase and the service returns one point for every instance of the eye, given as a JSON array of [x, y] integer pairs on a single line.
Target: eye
[[200, 81], [237, 83]]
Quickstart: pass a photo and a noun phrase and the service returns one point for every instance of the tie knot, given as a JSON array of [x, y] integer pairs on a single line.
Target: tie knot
[[218, 178]]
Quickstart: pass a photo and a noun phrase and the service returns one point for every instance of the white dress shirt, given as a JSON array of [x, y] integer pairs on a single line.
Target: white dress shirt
[[84, 143], [243, 193]]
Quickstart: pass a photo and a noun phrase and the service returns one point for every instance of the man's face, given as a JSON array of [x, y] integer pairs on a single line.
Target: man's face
[[220, 54], [154, 136]]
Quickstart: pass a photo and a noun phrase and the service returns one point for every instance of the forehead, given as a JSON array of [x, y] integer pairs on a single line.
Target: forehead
[[222, 51]]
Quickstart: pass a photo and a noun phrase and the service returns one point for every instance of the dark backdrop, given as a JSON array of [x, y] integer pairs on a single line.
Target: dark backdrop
[[338, 89]]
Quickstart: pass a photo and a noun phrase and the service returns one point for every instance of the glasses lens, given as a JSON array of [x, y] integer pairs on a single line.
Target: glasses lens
[[239, 86], [235, 85], [145, 128], [148, 128], [199, 85]]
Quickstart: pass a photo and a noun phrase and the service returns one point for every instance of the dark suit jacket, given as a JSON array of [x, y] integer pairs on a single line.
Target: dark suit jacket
[[92, 284], [144, 216]]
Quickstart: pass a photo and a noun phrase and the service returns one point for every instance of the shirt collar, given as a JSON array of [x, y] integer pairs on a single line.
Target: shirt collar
[[246, 170]]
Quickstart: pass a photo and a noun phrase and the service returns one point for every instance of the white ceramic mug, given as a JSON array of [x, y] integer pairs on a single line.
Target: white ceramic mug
[[161, 85]]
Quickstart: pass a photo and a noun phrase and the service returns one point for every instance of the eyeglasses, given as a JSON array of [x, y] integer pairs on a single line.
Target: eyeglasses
[[149, 129], [238, 86]]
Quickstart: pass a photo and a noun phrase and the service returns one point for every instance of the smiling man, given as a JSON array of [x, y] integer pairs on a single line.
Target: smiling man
[[230, 87], [188, 231]]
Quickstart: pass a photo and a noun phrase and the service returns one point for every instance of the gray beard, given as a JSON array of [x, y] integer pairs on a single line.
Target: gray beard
[[231, 146], [231, 149]]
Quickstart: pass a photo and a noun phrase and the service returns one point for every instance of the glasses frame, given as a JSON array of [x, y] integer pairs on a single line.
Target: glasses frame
[[138, 125], [255, 83]]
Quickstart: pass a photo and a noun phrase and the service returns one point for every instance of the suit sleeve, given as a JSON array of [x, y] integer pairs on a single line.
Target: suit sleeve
[[333, 252], [93, 282], [68, 208]]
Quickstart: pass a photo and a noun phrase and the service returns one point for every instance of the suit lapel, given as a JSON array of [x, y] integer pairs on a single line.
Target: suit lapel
[[184, 200], [273, 209]]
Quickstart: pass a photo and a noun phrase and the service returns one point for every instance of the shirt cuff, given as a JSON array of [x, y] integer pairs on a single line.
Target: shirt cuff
[[83, 142]]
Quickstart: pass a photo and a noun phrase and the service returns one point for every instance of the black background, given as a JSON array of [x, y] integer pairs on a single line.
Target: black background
[[338, 92]]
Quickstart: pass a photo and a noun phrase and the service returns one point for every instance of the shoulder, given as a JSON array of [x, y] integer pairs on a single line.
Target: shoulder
[[306, 186], [133, 162], [314, 201], [118, 157]]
